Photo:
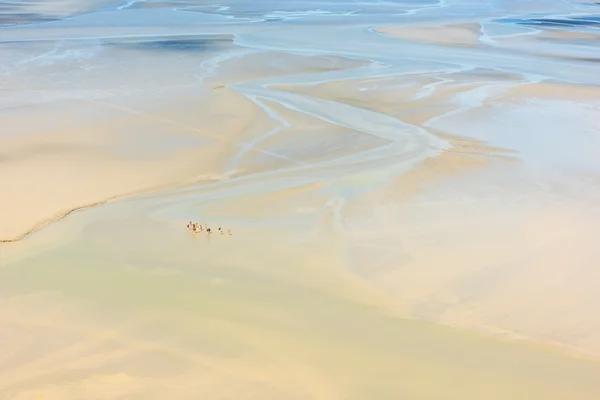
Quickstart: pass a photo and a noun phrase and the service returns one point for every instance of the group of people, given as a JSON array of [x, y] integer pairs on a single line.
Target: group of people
[[197, 228]]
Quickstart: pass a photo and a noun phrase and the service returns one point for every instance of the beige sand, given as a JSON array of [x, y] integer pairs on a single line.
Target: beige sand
[[117, 147], [448, 35], [48, 174], [251, 316], [497, 255], [566, 35], [269, 64], [553, 91]]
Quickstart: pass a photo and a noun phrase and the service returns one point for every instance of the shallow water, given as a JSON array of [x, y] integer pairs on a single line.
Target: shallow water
[[319, 118]]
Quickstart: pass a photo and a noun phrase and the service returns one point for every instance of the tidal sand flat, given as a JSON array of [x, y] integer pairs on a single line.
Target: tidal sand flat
[[412, 190]]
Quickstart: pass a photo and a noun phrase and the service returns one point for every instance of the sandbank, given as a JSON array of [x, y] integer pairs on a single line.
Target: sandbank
[[264, 315], [123, 145], [448, 35]]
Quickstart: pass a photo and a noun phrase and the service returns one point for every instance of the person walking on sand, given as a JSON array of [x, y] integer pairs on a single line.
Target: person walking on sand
[[208, 231]]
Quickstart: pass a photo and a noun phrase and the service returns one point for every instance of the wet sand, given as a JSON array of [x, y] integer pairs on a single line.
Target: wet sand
[[412, 190], [275, 315]]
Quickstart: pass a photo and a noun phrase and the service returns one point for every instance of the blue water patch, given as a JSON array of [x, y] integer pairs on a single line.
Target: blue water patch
[[200, 43], [588, 21]]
